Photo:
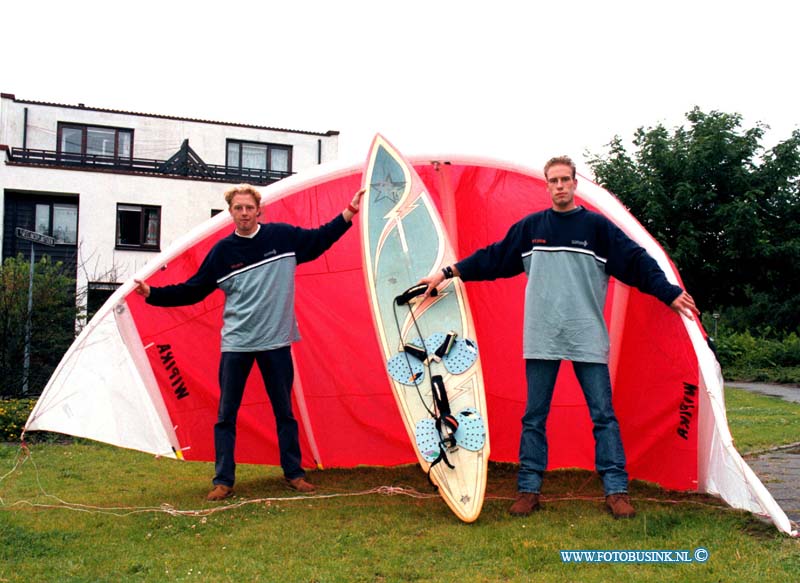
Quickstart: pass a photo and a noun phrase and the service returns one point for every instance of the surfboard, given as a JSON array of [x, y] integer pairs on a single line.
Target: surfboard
[[428, 343]]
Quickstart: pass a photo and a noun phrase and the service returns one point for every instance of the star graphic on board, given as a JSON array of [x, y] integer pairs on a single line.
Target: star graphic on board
[[465, 499], [388, 189]]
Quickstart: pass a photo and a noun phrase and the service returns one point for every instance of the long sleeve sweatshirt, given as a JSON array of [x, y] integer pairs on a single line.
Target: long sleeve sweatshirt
[[568, 258], [257, 277]]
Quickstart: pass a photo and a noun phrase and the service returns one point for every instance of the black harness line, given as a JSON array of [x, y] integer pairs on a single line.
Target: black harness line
[[446, 424], [404, 299]]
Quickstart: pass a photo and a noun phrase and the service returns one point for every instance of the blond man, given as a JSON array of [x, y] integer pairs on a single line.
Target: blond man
[[255, 267]]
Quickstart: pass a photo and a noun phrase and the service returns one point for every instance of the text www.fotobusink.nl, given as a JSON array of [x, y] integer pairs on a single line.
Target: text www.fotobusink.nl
[[698, 555]]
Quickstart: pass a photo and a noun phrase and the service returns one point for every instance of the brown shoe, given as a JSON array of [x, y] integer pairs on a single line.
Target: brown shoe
[[301, 485], [620, 506], [220, 492], [525, 503]]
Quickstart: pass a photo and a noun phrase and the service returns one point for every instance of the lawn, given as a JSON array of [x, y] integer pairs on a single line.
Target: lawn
[[89, 512], [759, 422]]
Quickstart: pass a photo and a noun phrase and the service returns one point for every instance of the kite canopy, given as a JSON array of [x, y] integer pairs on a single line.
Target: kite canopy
[[145, 378]]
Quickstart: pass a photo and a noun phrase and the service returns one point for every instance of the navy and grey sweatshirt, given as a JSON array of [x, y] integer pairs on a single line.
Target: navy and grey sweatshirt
[[568, 257], [257, 276]]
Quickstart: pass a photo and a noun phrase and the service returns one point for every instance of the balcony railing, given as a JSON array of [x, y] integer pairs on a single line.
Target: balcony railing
[[183, 164]]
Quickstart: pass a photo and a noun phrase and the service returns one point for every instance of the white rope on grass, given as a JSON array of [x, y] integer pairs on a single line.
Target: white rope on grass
[[166, 508], [24, 455], [17, 463]]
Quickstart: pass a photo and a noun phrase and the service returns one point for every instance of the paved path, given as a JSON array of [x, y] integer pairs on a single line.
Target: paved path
[[785, 392], [780, 473], [779, 470]]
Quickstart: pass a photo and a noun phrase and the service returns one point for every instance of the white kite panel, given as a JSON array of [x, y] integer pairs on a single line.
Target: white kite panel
[[97, 392]]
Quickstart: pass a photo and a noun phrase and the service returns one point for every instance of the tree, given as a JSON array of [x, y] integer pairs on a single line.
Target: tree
[[725, 209], [53, 322]]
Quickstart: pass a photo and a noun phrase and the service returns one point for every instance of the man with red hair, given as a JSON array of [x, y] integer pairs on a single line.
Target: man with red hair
[[255, 266]]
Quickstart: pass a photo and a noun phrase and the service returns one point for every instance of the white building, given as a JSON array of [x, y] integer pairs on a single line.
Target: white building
[[115, 187]]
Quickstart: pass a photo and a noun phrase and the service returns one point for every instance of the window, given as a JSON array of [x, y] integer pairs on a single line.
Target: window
[[43, 219], [77, 141], [96, 295], [57, 220], [257, 156], [138, 227]]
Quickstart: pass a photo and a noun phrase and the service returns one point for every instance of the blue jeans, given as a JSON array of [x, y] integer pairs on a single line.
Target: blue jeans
[[608, 452], [277, 371]]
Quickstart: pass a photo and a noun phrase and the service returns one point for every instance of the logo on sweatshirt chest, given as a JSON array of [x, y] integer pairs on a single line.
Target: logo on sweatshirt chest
[[539, 241]]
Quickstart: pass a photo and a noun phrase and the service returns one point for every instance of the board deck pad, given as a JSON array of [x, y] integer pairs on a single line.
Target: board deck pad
[[403, 240], [406, 369], [471, 434], [461, 356]]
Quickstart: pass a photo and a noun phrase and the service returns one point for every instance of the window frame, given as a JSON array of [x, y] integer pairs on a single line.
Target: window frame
[[270, 146], [84, 129], [51, 220], [98, 286], [143, 246]]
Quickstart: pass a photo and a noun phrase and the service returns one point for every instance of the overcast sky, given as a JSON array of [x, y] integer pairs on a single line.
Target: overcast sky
[[513, 80]]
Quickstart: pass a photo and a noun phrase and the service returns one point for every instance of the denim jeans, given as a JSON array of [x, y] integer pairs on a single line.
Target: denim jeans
[[277, 371], [596, 384]]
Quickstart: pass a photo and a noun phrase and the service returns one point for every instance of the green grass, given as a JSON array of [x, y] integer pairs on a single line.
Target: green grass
[[266, 533], [759, 422]]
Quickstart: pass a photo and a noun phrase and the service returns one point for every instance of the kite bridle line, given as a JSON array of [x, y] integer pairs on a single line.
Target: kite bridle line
[[25, 455]]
